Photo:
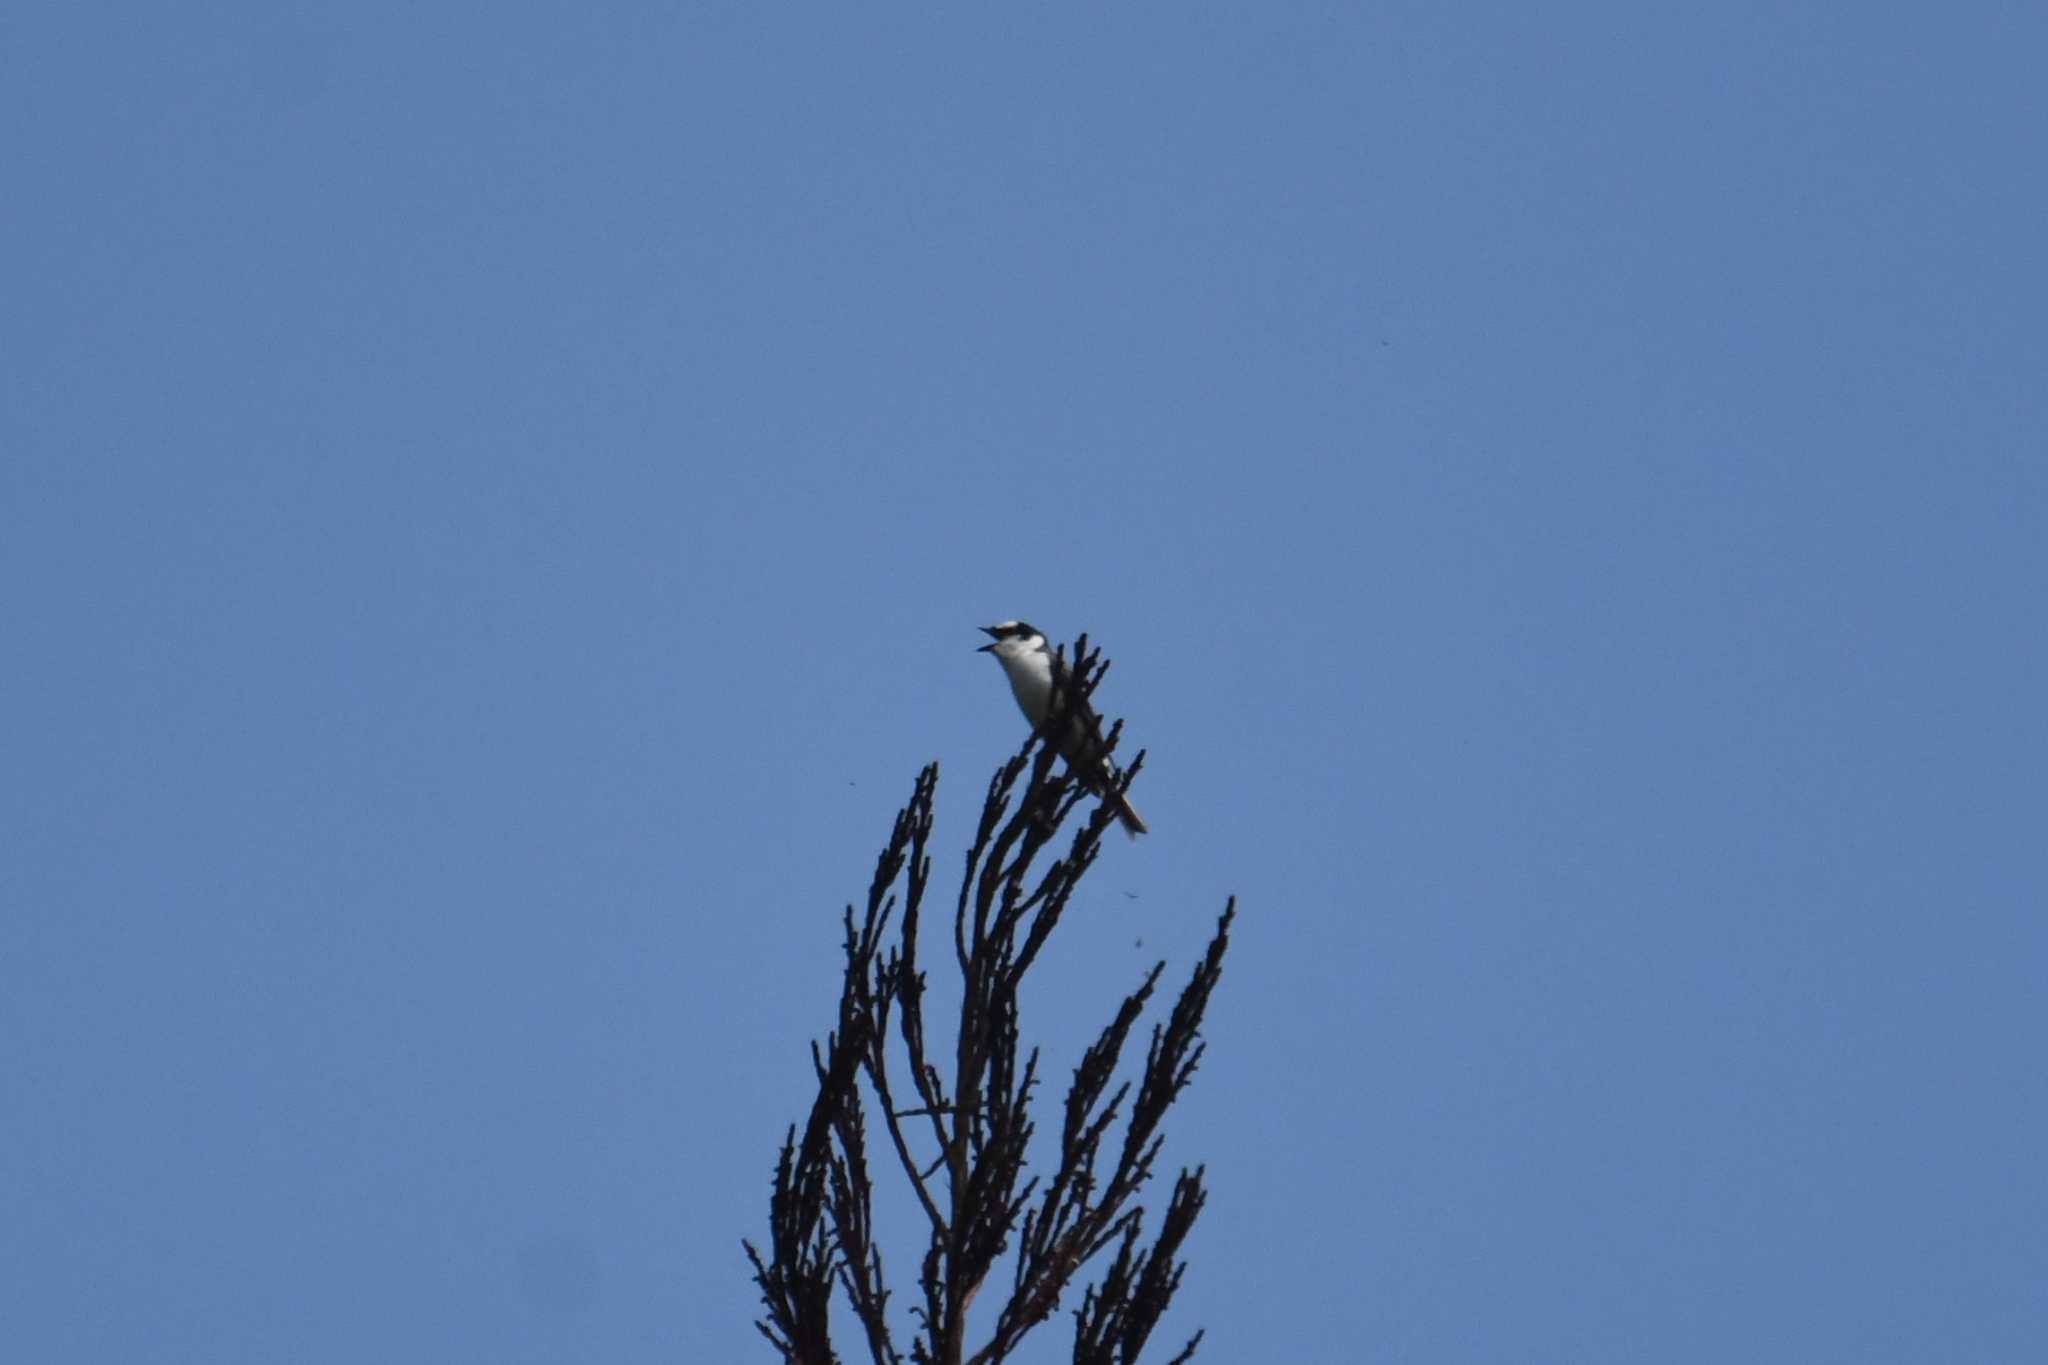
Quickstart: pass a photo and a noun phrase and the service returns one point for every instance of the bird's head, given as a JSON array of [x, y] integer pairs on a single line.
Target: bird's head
[[1012, 639]]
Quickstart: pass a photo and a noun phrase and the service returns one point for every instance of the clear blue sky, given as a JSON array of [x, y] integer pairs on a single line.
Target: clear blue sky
[[495, 501]]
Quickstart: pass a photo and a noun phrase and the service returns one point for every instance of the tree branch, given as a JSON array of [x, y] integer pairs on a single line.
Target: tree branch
[[979, 1199]]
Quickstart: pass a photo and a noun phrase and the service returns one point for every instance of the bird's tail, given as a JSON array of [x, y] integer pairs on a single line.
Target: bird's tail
[[1127, 815], [1102, 776]]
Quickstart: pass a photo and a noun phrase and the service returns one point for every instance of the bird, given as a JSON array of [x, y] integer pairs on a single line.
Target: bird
[[1036, 676]]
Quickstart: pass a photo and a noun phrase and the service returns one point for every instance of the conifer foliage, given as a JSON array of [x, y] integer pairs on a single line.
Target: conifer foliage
[[950, 1101]]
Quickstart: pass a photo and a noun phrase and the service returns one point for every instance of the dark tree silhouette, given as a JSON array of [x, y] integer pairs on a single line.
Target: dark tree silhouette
[[959, 1126]]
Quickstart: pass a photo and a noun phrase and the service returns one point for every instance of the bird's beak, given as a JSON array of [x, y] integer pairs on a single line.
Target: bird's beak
[[989, 631]]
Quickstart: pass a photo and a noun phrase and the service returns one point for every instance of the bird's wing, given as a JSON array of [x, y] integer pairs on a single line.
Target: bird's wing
[[1084, 737], [1084, 725]]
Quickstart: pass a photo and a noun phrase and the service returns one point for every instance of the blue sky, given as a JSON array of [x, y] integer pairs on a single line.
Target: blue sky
[[494, 504]]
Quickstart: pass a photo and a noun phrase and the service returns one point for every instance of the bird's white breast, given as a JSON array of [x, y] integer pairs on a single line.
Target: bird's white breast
[[1030, 676]]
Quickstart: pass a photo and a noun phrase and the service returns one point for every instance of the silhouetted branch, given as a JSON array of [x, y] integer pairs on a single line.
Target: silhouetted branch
[[964, 1140]]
